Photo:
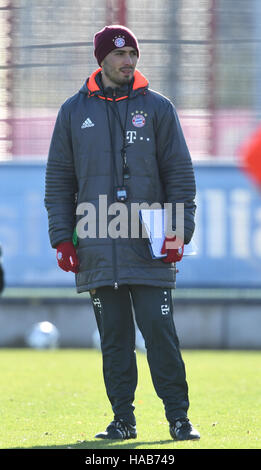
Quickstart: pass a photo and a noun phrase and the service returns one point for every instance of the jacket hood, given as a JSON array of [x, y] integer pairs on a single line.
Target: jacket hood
[[93, 87]]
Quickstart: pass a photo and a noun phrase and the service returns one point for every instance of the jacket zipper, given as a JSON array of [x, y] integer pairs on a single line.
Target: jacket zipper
[[114, 254]]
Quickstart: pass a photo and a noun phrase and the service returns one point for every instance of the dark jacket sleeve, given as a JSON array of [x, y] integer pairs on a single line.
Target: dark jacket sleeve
[[60, 183], [175, 166], [2, 280]]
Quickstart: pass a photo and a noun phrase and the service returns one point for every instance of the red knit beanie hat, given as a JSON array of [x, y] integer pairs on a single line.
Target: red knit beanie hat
[[113, 37]]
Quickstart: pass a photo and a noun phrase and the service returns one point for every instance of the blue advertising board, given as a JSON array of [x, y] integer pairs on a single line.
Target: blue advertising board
[[227, 236]]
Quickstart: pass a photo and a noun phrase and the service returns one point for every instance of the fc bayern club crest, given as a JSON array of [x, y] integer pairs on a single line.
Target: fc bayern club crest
[[119, 41], [138, 120]]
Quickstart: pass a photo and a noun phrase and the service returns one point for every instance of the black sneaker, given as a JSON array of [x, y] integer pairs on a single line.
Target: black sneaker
[[182, 430], [118, 429]]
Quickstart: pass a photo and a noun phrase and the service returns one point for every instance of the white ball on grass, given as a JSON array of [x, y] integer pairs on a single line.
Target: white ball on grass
[[43, 335]]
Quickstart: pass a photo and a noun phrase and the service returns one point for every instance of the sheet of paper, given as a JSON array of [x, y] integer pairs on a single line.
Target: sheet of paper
[[153, 220]]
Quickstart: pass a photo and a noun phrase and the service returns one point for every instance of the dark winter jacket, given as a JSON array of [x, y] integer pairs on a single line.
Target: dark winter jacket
[[86, 160], [2, 280]]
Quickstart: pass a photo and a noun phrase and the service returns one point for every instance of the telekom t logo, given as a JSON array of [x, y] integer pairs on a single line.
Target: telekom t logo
[[131, 136]]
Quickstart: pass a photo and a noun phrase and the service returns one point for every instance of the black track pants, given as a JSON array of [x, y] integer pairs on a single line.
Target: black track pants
[[153, 309]]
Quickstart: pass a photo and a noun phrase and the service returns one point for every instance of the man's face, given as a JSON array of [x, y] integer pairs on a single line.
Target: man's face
[[119, 66]]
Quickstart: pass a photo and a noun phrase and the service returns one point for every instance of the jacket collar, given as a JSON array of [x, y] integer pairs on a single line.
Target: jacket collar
[[92, 86]]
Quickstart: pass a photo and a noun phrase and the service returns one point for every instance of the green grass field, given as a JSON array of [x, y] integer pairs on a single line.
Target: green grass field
[[56, 400]]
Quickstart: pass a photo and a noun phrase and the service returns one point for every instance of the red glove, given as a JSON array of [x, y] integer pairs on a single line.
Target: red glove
[[67, 257], [175, 253]]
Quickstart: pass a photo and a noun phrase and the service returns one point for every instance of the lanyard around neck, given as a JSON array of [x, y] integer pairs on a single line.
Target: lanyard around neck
[[125, 168]]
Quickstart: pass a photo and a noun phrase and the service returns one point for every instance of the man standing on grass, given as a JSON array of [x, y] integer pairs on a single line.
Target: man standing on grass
[[2, 280], [119, 139]]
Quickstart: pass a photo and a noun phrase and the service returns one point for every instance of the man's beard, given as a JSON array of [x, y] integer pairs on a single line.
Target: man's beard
[[119, 81]]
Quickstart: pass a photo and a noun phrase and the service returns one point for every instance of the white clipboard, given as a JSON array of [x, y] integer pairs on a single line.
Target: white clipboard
[[153, 221]]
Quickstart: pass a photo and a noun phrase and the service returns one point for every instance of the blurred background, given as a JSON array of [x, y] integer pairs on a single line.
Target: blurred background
[[205, 55]]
